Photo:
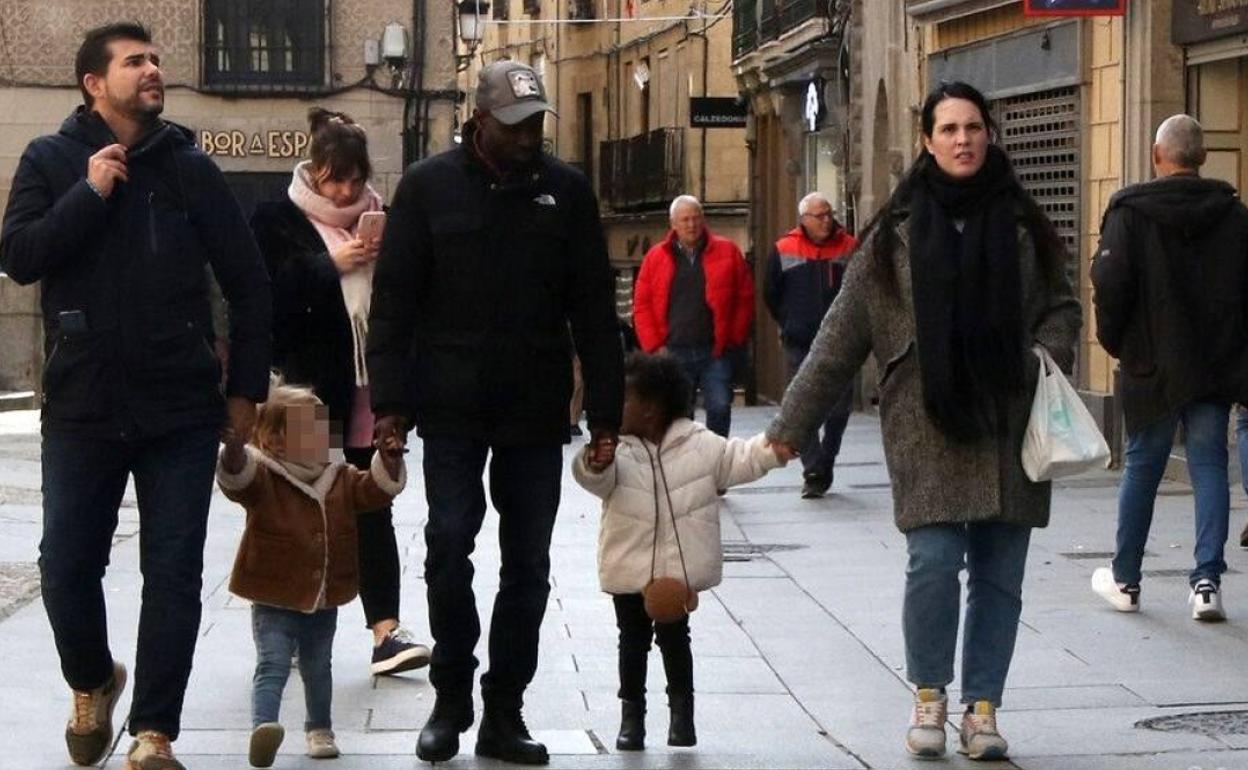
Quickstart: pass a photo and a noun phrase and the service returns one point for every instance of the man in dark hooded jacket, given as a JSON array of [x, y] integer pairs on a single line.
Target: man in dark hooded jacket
[[1171, 280], [116, 216]]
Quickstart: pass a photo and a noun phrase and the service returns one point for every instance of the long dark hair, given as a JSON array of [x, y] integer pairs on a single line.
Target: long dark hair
[[339, 145], [880, 231]]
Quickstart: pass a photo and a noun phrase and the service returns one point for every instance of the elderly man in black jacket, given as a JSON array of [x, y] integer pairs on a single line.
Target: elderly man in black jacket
[[1171, 279], [492, 251], [117, 216]]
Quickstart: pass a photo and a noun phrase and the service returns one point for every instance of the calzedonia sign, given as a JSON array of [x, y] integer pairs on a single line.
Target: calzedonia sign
[[1195, 21], [258, 144], [716, 112]]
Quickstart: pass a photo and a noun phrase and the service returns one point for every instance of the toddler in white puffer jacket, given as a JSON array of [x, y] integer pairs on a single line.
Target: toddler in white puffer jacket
[[660, 526]]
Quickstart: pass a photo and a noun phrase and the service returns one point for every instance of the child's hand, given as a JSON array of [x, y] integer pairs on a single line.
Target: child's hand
[[392, 448], [234, 458], [784, 452], [598, 457]]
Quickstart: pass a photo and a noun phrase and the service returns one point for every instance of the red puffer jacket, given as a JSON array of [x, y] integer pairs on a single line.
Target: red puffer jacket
[[729, 293]]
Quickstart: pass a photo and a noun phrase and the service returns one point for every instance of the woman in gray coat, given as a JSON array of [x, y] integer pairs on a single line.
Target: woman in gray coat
[[958, 277]]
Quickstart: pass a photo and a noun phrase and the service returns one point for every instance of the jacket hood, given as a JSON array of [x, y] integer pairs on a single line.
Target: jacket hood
[[1190, 202], [87, 127]]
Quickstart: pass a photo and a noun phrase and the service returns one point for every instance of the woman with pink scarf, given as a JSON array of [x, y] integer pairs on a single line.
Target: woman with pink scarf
[[322, 275]]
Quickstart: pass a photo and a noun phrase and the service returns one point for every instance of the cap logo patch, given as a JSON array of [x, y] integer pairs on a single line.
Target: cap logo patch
[[524, 84]]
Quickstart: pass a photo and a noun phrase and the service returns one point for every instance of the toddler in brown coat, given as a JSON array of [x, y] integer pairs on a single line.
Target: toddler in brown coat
[[297, 561]]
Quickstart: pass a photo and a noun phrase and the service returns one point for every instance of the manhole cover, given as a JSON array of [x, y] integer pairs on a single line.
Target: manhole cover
[[19, 583], [739, 551], [1205, 723], [1101, 555], [763, 490], [884, 485], [1174, 573], [1092, 483]]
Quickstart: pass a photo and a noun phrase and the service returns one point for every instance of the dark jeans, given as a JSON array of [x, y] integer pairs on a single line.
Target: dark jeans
[[83, 482], [524, 487], [636, 631], [279, 634], [1148, 449], [713, 377], [379, 554], [819, 454]]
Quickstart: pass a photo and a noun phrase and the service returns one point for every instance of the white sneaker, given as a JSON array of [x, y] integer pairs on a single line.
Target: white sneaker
[[978, 737], [1122, 597], [1206, 601], [321, 744], [266, 739], [926, 737]]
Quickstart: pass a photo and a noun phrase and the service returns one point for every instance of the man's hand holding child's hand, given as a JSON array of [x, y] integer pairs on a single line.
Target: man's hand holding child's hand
[[600, 452], [391, 446]]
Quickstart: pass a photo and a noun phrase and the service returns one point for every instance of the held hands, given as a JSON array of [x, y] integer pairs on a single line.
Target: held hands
[[600, 452], [240, 417], [106, 168], [354, 254], [390, 439], [784, 452]]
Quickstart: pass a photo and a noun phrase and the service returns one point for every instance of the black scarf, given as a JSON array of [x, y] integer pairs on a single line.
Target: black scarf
[[967, 296]]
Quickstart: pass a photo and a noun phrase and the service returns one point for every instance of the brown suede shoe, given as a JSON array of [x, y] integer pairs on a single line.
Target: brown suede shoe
[[151, 750], [89, 734]]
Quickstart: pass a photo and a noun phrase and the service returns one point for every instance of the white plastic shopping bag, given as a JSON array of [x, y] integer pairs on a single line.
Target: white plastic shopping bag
[[1062, 438]]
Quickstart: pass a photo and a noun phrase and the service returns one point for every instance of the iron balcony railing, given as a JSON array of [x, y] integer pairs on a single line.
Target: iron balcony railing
[[643, 171], [794, 12]]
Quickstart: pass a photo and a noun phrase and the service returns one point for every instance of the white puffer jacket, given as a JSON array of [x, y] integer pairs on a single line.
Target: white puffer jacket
[[690, 465]]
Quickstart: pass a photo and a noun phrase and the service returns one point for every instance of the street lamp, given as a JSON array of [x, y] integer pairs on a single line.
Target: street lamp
[[471, 24]]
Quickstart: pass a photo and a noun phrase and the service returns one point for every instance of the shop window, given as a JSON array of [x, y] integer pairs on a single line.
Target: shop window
[[265, 45]]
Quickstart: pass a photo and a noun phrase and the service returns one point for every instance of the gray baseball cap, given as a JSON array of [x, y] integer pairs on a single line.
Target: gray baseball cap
[[511, 92]]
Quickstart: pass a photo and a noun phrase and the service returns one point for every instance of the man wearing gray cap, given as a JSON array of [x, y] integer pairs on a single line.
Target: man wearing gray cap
[[492, 252]]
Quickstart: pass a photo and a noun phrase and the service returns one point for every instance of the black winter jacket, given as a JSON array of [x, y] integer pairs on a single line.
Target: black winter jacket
[[477, 284], [127, 325], [312, 342], [1171, 280]]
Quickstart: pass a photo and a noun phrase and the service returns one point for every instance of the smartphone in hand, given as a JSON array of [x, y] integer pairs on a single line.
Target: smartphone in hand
[[372, 223]]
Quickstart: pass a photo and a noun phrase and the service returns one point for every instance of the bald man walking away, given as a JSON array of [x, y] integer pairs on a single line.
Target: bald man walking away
[[1170, 276]]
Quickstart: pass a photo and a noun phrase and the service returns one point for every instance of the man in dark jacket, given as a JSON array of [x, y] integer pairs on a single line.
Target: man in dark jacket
[[116, 216], [492, 251], [1171, 279], [804, 274]]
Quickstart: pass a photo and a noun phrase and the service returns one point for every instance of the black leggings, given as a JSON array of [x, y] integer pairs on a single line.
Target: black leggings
[[379, 553], [636, 631]]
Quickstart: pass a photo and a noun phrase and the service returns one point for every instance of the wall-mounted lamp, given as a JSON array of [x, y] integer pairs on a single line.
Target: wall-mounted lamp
[[394, 45], [472, 16]]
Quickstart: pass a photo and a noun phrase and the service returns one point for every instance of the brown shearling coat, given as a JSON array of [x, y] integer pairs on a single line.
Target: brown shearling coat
[[298, 550]]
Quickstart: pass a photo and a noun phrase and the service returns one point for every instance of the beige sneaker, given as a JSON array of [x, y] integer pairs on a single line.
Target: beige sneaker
[[926, 737], [89, 734], [979, 736], [321, 744], [151, 750], [266, 739]]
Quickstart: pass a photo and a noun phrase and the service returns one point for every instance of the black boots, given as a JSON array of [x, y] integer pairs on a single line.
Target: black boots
[[632, 726], [503, 735], [439, 738], [680, 732]]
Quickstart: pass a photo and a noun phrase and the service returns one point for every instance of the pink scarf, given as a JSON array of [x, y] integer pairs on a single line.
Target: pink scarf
[[337, 225]]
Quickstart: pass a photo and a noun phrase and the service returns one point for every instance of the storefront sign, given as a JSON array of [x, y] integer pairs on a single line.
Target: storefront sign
[[1195, 21], [815, 109], [716, 112], [262, 144], [1075, 7]]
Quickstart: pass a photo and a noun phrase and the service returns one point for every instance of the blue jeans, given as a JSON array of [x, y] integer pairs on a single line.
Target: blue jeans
[[995, 556], [83, 482], [279, 634], [1204, 428], [524, 487], [818, 454], [713, 377], [1241, 436]]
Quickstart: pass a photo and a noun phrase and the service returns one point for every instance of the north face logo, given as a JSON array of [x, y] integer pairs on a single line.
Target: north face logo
[[524, 84]]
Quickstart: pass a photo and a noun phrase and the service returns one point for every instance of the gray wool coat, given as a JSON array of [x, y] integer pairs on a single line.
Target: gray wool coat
[[934, 480]]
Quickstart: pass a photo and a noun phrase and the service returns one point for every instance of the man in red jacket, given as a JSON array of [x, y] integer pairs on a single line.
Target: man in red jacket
[[694, 299], [803, 276]]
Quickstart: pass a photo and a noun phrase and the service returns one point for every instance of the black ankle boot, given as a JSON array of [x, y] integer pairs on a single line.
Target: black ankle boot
[[503, 735], [680, 731], [632, 726], [439, 738]]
